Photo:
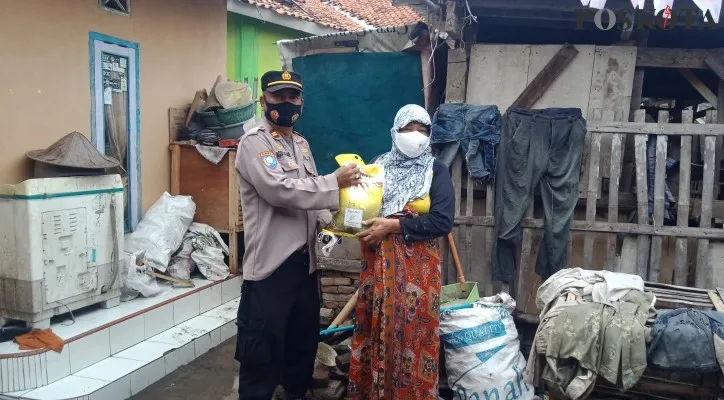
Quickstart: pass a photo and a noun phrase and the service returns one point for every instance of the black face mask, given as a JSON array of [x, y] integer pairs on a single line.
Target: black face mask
[[283, 114]]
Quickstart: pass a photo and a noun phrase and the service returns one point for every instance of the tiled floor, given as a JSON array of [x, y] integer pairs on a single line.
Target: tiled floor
[[122, 359]]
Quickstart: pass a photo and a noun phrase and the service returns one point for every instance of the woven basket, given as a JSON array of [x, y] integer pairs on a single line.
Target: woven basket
[[234, 115]]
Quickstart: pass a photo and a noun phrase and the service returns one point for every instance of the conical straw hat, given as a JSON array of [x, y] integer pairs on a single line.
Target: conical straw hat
[[74, 150]]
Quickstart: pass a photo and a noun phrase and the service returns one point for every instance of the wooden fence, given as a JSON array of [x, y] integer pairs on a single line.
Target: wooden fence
[[473, 221]]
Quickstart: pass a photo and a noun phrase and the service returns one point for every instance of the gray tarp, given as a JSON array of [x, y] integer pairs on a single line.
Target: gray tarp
[[392, 39]]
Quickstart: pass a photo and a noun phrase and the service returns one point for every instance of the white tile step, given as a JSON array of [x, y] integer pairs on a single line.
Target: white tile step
[[126, 373], [96, 334]]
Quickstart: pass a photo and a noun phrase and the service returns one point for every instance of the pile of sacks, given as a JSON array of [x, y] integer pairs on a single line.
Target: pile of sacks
[[168, 241]]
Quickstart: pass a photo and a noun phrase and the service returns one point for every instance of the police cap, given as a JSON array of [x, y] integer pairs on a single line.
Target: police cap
[[274, 81]]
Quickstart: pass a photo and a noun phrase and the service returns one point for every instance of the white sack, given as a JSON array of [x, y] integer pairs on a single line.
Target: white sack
[[482, 351], [208, 251], [162, 229], [135, 279]]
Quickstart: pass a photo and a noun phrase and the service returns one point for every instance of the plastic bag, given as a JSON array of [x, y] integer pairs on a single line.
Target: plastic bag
[[135, 279], [329, 240], [208, 251], [203, 248], [162, 229], [360, 202], [482, 351], [181, 265]]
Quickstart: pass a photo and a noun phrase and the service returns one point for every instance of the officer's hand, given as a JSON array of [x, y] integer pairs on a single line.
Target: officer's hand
[[347, 175]]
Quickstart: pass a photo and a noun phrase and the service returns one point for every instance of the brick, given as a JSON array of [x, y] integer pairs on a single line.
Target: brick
[[326, 313], [346, 289], [336, 297], [331, 304], [336, 281], [330, 289]]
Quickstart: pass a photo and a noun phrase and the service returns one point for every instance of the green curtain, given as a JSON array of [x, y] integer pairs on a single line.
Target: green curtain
[[350, 101]]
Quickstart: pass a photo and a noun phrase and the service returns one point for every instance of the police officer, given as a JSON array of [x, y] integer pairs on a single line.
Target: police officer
[[285, 202]]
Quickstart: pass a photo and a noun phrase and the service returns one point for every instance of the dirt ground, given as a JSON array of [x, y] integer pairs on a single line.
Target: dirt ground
[[209, 377]]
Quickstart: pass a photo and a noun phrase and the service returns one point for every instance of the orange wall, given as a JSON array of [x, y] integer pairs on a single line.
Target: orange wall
[[45, 73]]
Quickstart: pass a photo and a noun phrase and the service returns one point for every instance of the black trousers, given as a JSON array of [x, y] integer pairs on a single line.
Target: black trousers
[[537, 147], [278, 328]]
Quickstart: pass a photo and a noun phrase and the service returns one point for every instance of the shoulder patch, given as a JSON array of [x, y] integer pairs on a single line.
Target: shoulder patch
[[268, 158]]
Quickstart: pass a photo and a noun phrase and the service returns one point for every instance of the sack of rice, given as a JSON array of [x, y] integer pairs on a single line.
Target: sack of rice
[[360, 202]]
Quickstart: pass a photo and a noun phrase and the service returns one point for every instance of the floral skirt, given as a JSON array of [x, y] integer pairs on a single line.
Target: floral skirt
[[396, 344]]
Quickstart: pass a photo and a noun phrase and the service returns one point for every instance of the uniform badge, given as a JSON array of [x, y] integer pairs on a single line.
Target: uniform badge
[[292, 164], [295, 117], [275, 135], [274, 115], [286, 76], [304, 150], [267, 157]]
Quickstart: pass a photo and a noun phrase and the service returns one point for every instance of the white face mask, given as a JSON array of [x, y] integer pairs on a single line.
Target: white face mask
[[412, 144]]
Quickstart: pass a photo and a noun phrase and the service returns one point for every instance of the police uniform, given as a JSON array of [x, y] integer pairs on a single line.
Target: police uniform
[[285, 202]]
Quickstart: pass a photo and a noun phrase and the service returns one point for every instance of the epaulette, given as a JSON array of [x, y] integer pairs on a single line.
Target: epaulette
[[298, 137], [255, 130]]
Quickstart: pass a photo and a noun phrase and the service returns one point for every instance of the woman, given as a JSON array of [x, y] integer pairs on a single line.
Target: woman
[[396, 343]]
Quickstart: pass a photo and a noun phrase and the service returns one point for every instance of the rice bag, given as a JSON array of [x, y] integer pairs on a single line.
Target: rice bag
[[360, 202]]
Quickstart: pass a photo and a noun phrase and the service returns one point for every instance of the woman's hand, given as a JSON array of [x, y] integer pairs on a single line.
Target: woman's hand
[[378, 230]]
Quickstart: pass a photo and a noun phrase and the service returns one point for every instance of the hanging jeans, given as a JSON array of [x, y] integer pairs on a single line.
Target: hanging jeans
[[537, 146], [474, 130]]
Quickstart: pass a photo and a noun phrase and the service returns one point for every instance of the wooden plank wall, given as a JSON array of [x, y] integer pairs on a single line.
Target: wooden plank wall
[[599, 81], [598, 78]]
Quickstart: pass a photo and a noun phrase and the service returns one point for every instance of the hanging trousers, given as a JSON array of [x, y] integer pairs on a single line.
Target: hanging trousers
[[537, 147], [278, 328]]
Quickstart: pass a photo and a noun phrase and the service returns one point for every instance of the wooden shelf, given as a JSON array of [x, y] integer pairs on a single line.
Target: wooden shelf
[[215, 190]]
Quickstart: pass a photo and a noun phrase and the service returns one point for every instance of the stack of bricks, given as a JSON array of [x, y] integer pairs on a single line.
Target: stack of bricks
[[337, 288]]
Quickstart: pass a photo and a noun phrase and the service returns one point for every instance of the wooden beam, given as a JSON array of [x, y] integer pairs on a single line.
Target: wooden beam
[[546, 76], [457, 76], [717, 65], [607, 227], [339, 264], [651, 128], [704, 269], [700, 86], [681, 260], [675, 58], [452, 22]]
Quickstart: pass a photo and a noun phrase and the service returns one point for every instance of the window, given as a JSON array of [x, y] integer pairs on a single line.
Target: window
[[115, 117], [116, 6]]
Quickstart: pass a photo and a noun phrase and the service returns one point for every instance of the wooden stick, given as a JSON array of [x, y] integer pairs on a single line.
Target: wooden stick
[[176, 281], [716, 301], [346, 311], [456, 259]]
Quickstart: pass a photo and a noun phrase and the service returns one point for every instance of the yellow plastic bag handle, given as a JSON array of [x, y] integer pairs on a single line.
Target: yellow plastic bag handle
[[344, 159]]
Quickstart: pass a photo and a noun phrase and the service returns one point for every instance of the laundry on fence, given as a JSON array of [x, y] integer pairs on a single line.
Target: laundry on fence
[[472, 130], [593, 323]]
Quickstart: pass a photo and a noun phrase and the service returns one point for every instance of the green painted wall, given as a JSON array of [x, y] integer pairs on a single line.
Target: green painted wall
[[251, 46]]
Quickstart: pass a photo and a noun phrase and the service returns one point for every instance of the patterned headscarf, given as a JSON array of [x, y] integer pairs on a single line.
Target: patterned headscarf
[[406, 179]]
